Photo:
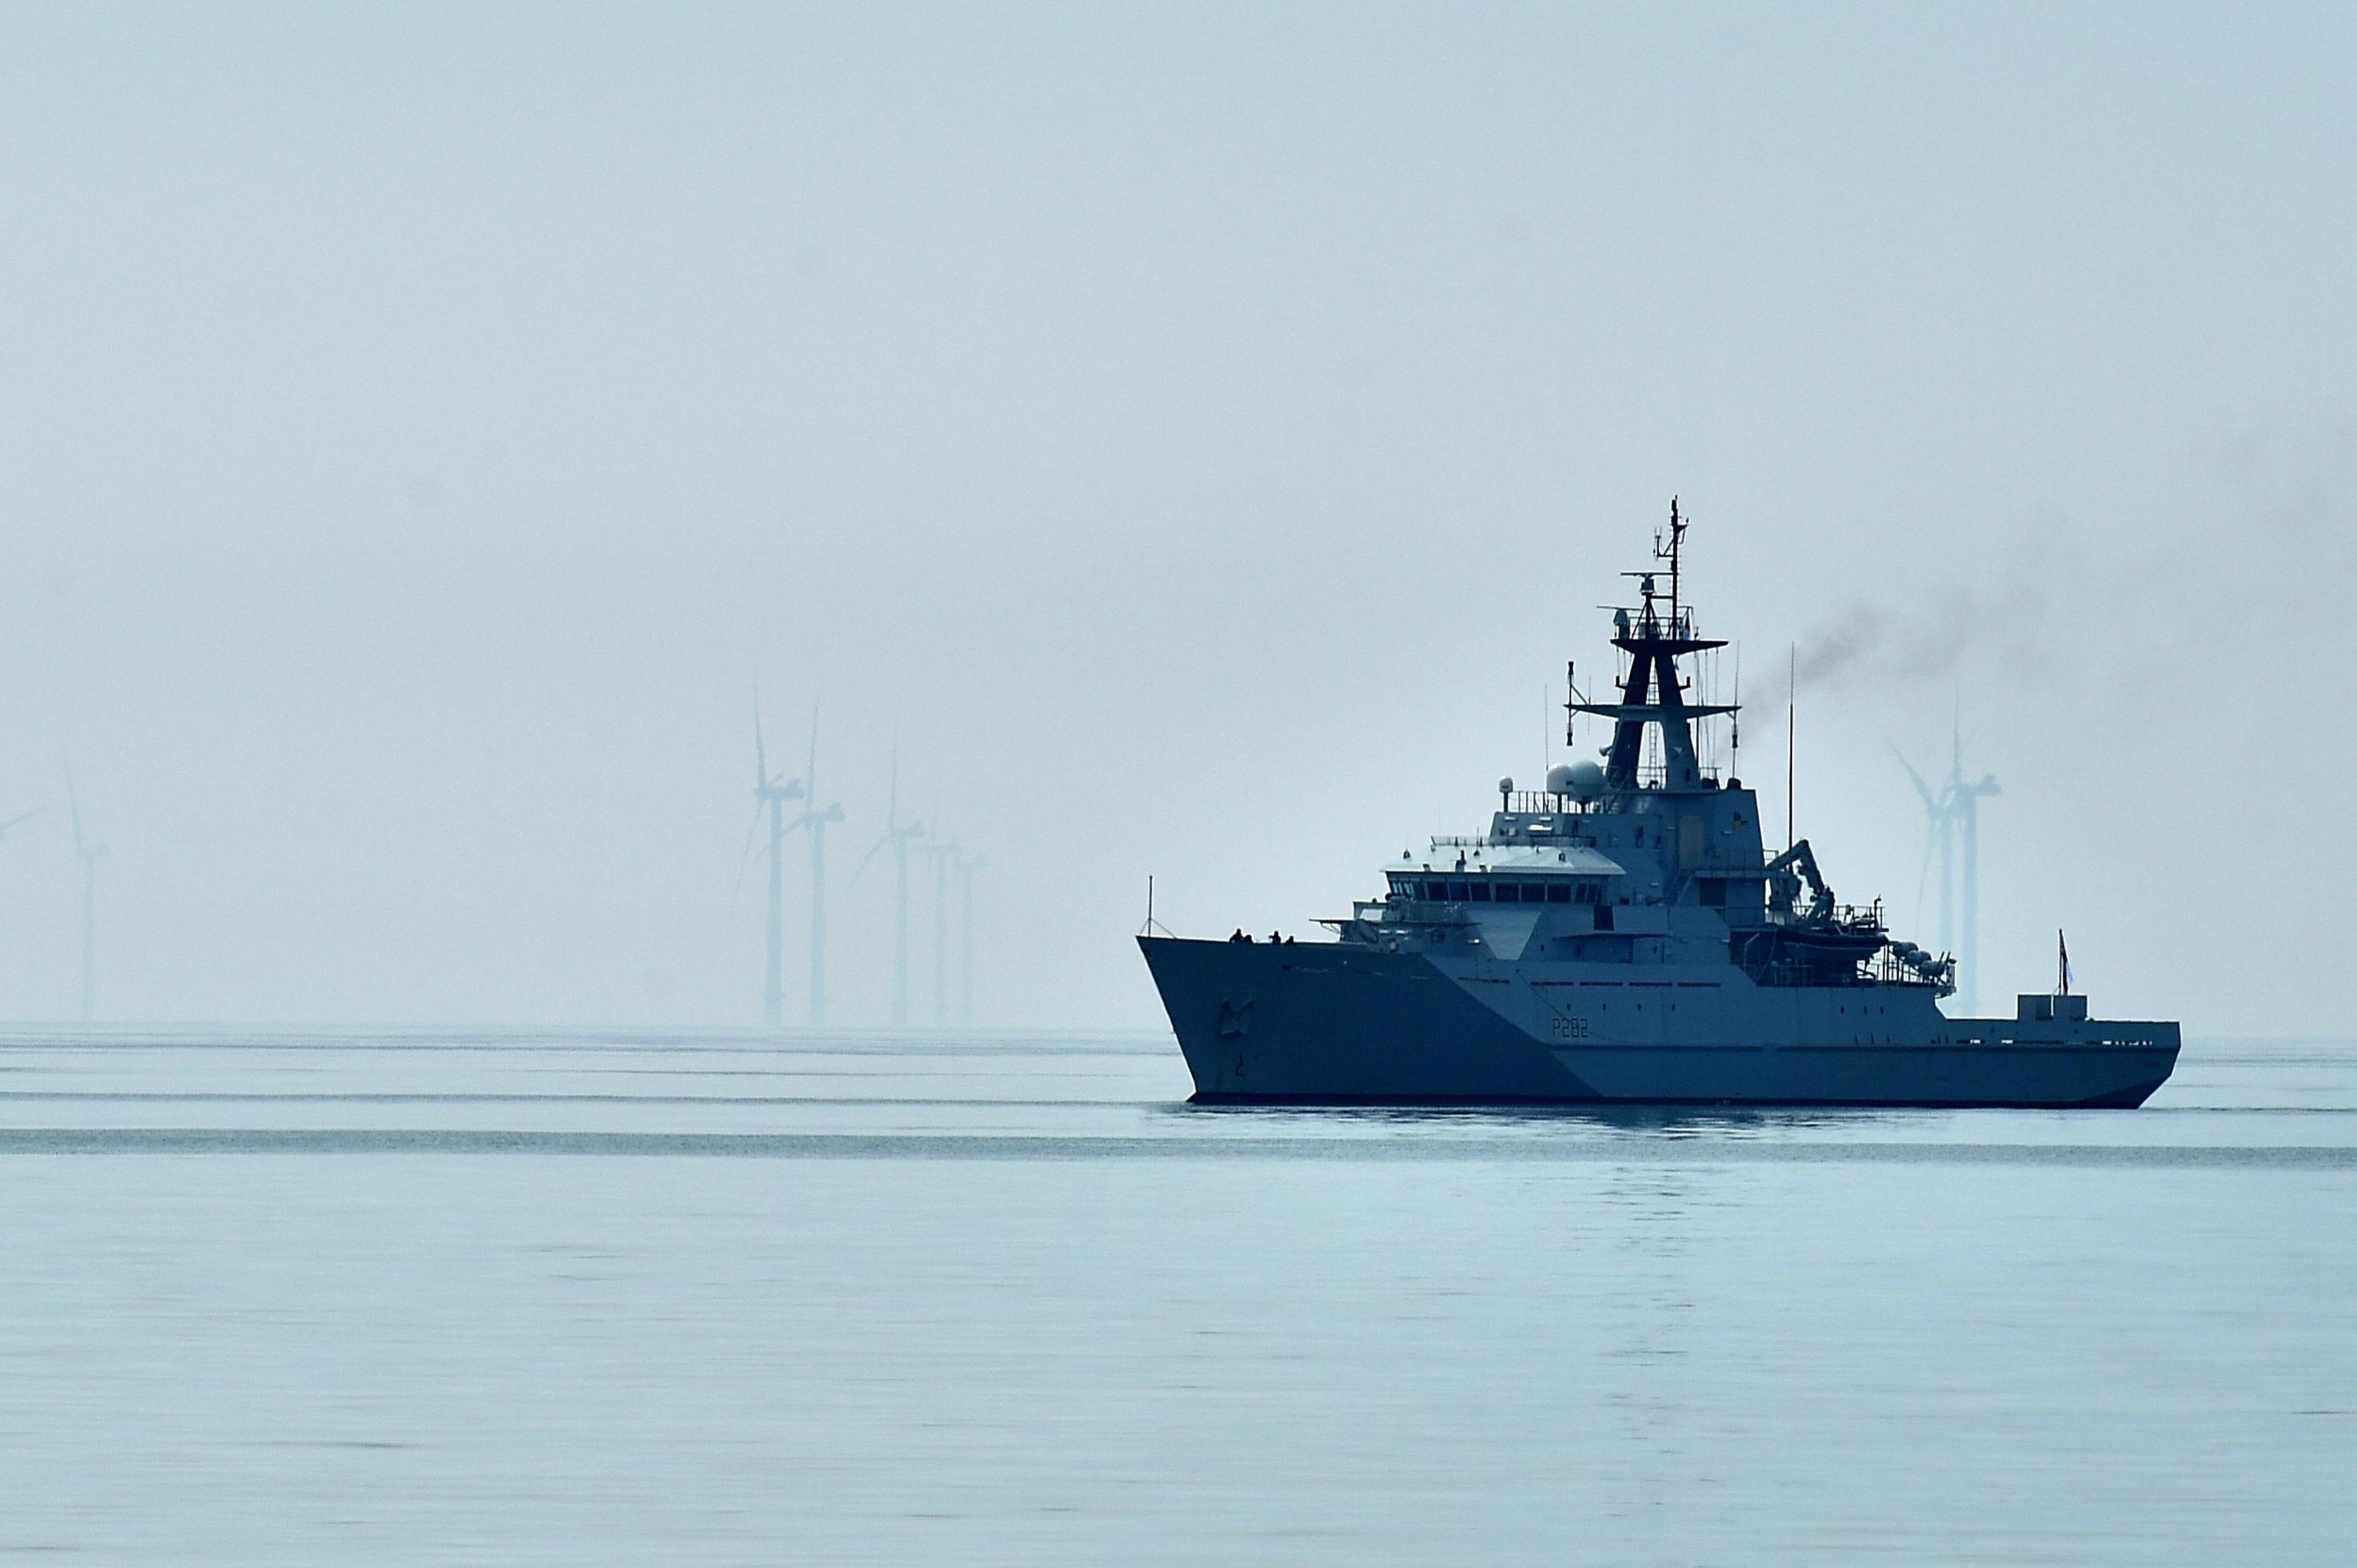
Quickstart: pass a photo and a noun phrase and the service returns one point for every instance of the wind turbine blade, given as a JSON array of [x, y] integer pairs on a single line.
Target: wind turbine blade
[[871, 855], [744, 858], [22, 816], [810, 774], [760, 752], [1930, 803]]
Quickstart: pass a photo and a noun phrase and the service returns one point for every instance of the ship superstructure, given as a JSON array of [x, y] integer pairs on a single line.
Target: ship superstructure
[[1623, 934]]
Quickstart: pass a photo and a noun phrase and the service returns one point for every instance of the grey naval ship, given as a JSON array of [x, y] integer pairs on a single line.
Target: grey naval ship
[[1622, 936]]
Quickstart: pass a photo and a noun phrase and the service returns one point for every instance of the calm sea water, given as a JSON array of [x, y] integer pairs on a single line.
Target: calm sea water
[[574, 1297]]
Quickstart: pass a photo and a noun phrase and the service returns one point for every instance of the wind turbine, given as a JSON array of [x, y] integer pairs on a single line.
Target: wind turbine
[[770, 795], [90, 854], [816, 819], [1952, 822], [1966, 799], [945, 858], [898, 834], [19, 817], [966, 868]]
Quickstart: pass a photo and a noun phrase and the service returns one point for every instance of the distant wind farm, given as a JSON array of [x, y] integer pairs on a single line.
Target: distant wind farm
[[953, 870]]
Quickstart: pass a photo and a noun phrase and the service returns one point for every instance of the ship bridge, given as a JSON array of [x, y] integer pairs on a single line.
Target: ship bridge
[[1475, 871]]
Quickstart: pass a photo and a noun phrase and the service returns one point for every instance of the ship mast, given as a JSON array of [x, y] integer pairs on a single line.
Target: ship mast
[[1654, 692]]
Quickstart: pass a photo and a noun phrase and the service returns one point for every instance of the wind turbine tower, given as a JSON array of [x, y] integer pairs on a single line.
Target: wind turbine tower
[[771, 794], [946, 859], [966, 869], [90, 854], [19, 817], [815, 821], [899, 835]]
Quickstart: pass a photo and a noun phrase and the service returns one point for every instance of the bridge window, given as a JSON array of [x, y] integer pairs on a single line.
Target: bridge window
[[1509, 893], [1479, 890], [1558, 893], [1458, 892]]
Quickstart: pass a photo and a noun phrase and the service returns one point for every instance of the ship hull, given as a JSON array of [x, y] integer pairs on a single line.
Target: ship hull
[[1343, 1024]]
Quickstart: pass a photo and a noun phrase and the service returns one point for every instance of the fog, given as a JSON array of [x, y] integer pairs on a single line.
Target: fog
[[1196, 442]]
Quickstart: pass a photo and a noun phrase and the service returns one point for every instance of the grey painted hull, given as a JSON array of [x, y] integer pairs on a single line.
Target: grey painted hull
[[1341, 1024]]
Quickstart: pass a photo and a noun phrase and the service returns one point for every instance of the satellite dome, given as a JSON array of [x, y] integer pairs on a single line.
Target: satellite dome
[[1583, 780], [1559, 778]]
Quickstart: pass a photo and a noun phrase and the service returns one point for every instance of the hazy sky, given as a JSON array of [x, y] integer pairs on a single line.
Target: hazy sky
[[1202, 437]]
